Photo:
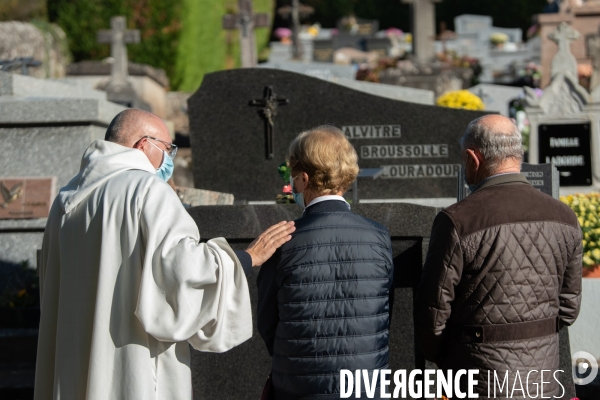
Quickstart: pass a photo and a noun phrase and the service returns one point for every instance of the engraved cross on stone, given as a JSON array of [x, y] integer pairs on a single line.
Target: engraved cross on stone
[[592, 43], [564, 61], [119, 88], [245, 21], [269, 105]]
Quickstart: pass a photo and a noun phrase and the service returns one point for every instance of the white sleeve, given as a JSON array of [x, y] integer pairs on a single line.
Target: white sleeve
[[189, 290]]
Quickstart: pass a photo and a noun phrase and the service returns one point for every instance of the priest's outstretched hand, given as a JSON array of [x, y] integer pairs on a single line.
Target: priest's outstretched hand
[[263, 247]]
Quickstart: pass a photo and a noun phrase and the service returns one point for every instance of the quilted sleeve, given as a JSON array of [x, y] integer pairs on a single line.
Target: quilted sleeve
[[435, 293], [570, 292]]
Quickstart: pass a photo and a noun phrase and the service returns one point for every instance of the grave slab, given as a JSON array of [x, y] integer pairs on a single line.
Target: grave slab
[[417, 145], [45, 127], [409, 226]]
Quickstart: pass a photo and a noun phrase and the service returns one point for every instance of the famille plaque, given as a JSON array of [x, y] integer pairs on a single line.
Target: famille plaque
[[26, 197]]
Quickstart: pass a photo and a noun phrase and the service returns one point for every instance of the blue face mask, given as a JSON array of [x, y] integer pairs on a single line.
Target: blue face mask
[[298, 197], [165, 171], [471, 186], [166, 168]]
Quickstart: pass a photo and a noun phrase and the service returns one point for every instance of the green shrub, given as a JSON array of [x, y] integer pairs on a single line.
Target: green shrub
[[184, 37]]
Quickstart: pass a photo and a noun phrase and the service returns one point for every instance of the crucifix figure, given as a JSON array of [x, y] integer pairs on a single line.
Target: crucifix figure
[[593, 51], [119, 89], [564, 61], [423, 27], [245, 21], [269, 104]]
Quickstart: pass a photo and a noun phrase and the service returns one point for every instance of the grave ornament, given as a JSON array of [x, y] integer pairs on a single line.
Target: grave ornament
[[246, 21], [423, 16], [119, 89], [269, 105]]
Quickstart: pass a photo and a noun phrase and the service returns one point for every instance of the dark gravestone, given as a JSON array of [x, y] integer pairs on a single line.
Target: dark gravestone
[[323, 50], [568, 147], [379, 45], [248, 365], [416, 145]]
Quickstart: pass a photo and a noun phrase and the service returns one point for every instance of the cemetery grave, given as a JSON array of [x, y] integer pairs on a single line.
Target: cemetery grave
[[241, 123]]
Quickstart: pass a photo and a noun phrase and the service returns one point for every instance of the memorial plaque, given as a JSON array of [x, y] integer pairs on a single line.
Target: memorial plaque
[[26, 197], [323, 50], [544, 177], [568, 147], [416, 145]]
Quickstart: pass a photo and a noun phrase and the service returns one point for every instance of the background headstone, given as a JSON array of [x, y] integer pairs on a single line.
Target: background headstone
[[565, 122], [323, 50], [497, 98], [417, 145], [20, 39], [45, 127]]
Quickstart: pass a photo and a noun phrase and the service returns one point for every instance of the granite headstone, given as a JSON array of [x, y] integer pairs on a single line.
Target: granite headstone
[[417, 145], [249, 363]]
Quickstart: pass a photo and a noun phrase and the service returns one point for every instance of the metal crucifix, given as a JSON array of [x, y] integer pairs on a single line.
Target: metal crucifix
[[269, 105]]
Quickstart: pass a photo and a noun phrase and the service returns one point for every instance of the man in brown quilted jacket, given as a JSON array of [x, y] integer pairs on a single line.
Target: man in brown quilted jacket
[[503, 272]]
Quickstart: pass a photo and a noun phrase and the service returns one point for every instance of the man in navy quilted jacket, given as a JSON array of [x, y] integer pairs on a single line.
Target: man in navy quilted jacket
[[323, 298]]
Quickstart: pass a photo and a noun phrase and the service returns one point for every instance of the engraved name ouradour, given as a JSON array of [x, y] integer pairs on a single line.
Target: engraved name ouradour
[[404, 151], [420, 171], [372, 131]]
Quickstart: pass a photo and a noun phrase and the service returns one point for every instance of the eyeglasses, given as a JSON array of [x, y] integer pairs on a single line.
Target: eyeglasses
[[171, 149]]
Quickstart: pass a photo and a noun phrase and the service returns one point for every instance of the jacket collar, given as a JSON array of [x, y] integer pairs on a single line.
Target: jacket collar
[[505, 179], [326, 206]]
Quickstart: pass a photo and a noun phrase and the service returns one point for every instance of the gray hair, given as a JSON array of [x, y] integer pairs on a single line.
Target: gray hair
[[493, 141]]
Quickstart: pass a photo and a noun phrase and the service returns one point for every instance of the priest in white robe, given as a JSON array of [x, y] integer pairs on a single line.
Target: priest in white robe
[[125, 282]]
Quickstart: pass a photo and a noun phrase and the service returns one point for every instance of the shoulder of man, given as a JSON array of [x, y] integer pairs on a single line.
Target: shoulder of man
[[507, 204]]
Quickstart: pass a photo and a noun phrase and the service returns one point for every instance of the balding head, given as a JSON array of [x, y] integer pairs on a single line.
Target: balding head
[[497, 139], [132, 124], [141, 130]]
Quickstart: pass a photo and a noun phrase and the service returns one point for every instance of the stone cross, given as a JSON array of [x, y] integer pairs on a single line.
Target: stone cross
[[245, 21], [119, 88], [269, 104], [423, 26], [593, 51], [564, 61]]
